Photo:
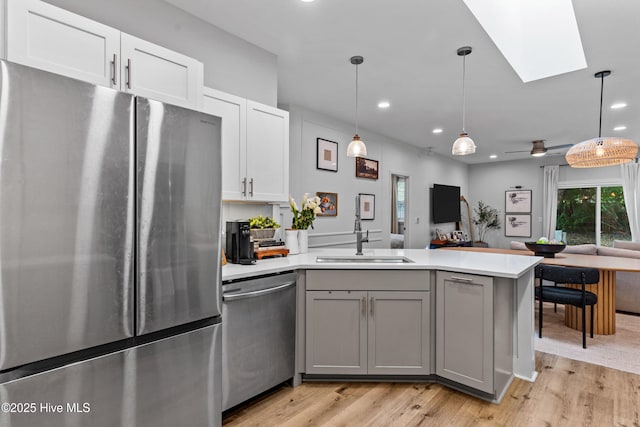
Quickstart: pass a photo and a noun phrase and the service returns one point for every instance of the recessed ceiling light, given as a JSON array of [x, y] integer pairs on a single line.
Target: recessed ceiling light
[[493, 156], [383, 104], [307, 1], [619, 128], [618, 105], [437, 130]]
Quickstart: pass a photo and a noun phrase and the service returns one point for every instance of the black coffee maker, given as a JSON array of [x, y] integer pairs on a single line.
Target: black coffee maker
[[239, 244]]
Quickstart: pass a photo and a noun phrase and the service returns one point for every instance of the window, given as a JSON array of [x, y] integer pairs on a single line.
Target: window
[[594, 214], [399, 194], [400, 200]]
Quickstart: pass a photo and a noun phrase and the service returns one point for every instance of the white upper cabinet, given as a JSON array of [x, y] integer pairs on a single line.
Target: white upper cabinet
[[232, 110], [255, 148], [158, 73], [49, 38], [267, 152]]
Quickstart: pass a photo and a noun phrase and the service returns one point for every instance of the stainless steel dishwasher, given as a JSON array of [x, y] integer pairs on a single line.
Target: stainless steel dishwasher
[[258, 335]]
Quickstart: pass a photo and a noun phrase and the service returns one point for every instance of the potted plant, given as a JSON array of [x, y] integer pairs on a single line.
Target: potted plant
[[263, 227], [485, 218]]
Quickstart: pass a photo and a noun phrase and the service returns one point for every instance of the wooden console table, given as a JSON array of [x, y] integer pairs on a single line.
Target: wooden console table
[[605, 310]]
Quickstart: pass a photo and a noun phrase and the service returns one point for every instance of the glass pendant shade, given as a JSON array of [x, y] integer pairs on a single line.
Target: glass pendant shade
[[600, 152], [463, 146], [356, 147]]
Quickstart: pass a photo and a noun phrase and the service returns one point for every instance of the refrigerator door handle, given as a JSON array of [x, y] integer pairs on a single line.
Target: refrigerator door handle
[[262, 292]]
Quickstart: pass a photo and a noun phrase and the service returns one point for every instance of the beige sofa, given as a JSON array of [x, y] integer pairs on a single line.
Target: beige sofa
[[627, 283]]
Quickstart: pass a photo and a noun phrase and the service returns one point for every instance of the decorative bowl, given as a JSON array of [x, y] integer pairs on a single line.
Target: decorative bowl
[[547, 250]]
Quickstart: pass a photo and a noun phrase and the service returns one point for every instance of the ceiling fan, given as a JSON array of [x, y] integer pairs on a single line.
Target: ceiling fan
[[539, 149]]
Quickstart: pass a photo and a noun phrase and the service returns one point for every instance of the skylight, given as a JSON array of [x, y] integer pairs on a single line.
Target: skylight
[[539, 38]]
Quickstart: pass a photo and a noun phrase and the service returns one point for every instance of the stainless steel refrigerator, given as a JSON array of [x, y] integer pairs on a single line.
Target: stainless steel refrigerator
[[109, 257]]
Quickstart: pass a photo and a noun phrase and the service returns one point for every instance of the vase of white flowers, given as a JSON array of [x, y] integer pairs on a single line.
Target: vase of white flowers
[[303, 218]]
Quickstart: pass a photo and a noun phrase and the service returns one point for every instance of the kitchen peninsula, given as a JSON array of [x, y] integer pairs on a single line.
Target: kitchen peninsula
[[463, 319]]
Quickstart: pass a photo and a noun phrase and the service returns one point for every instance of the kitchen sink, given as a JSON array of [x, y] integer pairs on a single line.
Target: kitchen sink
[[365, 259]]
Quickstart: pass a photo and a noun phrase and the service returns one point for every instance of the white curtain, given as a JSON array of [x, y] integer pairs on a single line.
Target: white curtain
[[631, 189], [550, 201]]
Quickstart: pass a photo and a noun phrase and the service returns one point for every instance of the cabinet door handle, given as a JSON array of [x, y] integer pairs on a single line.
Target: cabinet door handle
[[371, 303], [462, 279], [128, 69], [244, 186], [114, 69], [251, 187], [364, 306]]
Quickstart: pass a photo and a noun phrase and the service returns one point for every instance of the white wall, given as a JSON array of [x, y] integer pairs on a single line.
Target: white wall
[[393, 156], [489, 182], [230, 63], [3, 29]]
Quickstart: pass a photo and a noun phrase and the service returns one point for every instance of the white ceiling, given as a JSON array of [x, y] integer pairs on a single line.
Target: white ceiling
[[409, 49]]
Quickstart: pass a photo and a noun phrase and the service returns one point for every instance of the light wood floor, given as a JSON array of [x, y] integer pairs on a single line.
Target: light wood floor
[[566, 393]]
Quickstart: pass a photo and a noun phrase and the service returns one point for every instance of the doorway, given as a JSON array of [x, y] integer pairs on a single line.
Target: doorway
[[399, 210]]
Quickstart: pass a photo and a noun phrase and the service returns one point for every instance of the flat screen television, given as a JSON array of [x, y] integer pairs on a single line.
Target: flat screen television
[[445, 203]]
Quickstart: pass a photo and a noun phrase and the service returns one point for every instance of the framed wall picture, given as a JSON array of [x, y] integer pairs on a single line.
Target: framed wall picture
[[327, 155], [328, 203], [517, 201], [517, 225], [366, 168], [367, 206]]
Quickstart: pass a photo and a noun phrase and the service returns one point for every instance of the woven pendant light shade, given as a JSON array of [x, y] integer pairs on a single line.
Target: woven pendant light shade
[[600, 152]]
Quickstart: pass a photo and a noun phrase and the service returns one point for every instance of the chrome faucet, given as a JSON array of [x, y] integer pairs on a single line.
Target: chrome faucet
[[357, 229]]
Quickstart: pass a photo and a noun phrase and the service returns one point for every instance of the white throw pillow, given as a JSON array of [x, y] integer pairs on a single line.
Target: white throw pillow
[[623, 253], [626, 245], [587, 249], [520, 246]]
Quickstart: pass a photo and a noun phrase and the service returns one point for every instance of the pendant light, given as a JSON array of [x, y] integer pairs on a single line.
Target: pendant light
[[463, 145], [599, 152], [356, 147]]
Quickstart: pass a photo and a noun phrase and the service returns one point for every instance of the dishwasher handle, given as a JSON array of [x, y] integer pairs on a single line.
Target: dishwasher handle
[[261, 292]]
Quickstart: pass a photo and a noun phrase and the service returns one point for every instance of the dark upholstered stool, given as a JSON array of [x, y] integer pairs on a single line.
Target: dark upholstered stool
[[563, 295]]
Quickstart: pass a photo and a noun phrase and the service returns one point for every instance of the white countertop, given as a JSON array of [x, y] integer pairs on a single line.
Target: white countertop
[[487, 264]]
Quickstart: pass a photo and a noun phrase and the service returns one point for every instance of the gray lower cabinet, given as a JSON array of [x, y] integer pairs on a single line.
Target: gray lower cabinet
[[398, 333], [367, 332], [465, 329], [336, 332]]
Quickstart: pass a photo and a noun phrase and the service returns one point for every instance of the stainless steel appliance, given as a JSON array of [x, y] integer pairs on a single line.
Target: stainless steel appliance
[[109, 249], [239, 245], [258, 333]]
